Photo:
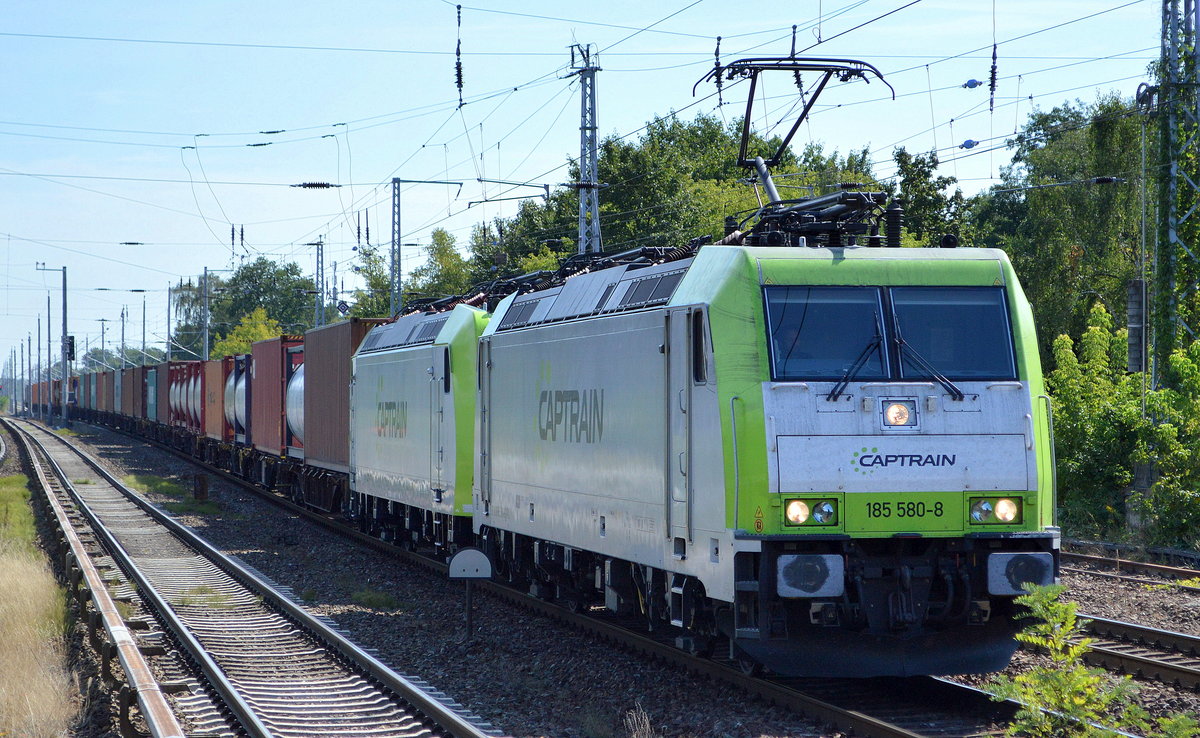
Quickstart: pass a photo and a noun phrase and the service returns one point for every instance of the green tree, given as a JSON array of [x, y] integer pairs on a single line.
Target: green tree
[[1070, 241], [254, 327], [279, 289], [187, 315], [1171, 508], [1099, 428], [373, 300], [445, 271], [1102, 434], [929, 213]]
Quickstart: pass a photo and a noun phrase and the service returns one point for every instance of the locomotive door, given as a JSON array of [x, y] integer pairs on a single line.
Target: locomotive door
[[483, 473], [679, 400], [439, 384]]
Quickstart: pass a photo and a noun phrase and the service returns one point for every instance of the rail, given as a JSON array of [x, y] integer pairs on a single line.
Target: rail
[[141, 684], [430, 707]]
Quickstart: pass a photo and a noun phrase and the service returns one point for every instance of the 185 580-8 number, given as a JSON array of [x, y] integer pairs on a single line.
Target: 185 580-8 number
[[903, 509]]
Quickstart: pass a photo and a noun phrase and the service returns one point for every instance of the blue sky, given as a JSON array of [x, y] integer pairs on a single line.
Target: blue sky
[[142, 122]]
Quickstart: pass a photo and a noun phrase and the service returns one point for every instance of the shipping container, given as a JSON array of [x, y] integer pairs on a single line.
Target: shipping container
[[215, 373], [108, 392], [138, 385], [85, 394], [270, 368], [191, 397], [150, 392], [162, 398], [327, 366], [129, 390]]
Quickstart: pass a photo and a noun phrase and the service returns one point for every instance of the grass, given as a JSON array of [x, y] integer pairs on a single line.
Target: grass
[[66, 432], [375, 599], [203, 596], [16, 518], [182, 504], [308, 595], [192, 507], [150, 484], [638, 724], [35, 687]]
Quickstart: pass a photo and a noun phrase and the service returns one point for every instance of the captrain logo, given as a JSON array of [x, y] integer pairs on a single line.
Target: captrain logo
[[866, 461], [575, 416]]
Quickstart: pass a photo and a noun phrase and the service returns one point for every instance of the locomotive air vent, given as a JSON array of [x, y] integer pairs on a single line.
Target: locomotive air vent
[[651, 290], [519, 314]]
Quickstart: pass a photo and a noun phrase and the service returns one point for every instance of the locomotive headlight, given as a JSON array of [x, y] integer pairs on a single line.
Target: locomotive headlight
[[981, 510], [899, 413], [1006, 510], [823, 512], [797, 512]]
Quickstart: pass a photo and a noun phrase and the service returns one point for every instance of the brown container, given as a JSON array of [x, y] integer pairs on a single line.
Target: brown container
[[108, 396], [215, 372], [163, 389], [138, 378], [128, 391], [85, 383], [327, 354], [268, 383]]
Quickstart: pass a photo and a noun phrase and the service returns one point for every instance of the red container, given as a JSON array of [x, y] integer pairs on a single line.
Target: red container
[[270, 367], [328, 351]]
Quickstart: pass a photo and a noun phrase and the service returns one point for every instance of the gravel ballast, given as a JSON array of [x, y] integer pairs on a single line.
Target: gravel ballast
[[529, 675], [526, 674]]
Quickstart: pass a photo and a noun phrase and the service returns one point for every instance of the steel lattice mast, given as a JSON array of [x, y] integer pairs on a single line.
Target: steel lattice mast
[[588, 185], [1178, 265]]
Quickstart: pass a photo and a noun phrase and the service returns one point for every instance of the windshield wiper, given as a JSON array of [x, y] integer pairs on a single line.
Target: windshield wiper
[[856, 367], [925, 366]]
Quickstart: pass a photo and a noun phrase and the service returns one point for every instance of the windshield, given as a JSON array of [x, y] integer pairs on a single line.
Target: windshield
[[962, 332], [820, 332]]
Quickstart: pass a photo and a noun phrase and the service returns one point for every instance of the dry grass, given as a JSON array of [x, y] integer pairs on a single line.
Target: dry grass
[[35, 687], [638, 724]]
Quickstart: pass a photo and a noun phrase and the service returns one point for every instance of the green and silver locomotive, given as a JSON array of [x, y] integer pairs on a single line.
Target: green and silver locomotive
[[803, 445]]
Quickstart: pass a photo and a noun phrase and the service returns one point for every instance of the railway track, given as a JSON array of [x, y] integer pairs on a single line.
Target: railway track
[[1126, 570], [268, 667], [1150, 653], [876, 708]]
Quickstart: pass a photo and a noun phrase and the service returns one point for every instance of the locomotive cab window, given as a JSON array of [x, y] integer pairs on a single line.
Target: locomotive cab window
[[823, 332], [699, 356], [963, 332]]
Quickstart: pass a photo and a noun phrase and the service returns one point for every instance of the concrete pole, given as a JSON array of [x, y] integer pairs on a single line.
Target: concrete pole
[[123, 307], [66, 364], [167, 346], [38, 378], [206, 315]]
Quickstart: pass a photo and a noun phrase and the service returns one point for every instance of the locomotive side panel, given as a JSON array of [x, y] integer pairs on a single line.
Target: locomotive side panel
[[578, 439], [390, 424]]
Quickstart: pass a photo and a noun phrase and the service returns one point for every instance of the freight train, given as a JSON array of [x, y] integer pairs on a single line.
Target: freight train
[[801, 445]]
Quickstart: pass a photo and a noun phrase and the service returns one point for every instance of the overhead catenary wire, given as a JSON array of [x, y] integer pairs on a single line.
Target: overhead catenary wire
[[370, 198]]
